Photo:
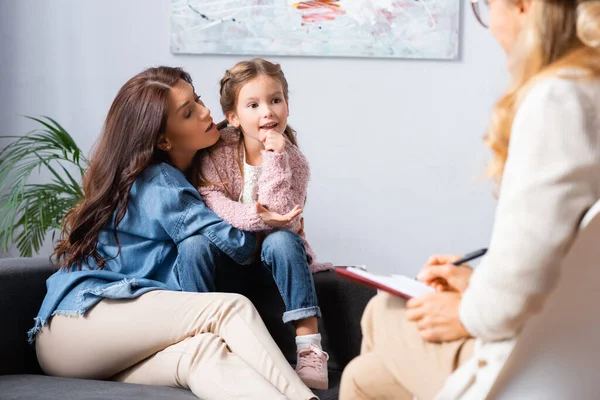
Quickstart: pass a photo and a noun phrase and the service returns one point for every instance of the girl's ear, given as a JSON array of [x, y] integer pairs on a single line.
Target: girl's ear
[[163, 143], [233, 119]]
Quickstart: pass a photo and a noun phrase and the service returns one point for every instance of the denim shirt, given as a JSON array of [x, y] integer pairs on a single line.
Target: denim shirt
[[163, 210]]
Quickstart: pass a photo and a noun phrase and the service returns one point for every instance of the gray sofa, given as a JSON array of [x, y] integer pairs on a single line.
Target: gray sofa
[[22, 288]]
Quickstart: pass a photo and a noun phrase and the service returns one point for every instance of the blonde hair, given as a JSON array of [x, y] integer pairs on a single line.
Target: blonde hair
[[558, 34], [242, 73]]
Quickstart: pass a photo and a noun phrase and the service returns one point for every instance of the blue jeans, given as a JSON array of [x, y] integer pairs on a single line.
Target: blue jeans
[[197, 258], [283, 259], [283, 254], [283, 262]]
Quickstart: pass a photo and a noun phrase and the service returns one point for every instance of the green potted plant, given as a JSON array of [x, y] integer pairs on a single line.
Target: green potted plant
[[30, 211]]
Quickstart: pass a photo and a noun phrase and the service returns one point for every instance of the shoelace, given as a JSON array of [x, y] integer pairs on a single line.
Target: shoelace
[[311, 357]]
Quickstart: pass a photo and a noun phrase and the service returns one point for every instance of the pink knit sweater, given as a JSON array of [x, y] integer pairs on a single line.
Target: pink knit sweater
[[282, 185]]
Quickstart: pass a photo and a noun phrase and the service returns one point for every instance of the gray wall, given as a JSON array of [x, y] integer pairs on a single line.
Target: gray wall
[[395, 145]]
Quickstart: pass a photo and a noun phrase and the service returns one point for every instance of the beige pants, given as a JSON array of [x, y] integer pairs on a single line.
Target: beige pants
[[395, 363], [215, 344]]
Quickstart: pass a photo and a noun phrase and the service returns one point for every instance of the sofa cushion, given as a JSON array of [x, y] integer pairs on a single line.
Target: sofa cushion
[[39, 387], [22, 289]]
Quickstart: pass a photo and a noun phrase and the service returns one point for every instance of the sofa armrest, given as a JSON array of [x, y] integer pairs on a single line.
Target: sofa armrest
[[22, 289]]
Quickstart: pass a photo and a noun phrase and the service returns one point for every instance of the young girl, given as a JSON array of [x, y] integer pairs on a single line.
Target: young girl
[[545, 136], [116, 309], [255, 174]]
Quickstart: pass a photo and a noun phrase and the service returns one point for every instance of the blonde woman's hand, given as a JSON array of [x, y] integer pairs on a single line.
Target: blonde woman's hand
[[436, 316], [441, 274], [274, 141], [276, 220]]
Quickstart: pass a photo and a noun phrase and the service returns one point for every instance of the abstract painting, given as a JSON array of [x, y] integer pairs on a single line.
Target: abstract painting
[[344, 28]]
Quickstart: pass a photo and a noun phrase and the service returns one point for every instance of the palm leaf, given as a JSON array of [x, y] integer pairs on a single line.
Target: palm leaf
[[42, 211], [28, 212]]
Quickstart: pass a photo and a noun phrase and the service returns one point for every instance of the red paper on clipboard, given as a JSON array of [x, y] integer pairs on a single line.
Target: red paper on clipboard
[[398, 285]]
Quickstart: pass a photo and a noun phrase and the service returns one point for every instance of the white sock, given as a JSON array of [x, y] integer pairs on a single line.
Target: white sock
[[306, 340]]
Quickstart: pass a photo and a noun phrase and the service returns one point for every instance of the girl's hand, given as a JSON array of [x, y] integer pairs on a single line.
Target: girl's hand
[[440, 274], [274, 141], [436, 316], [301, 230], [276, 220]]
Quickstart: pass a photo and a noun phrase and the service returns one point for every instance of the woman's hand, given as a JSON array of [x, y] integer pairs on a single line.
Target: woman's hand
[[276, 220], [274, 141], [436, 316], [441, 274]]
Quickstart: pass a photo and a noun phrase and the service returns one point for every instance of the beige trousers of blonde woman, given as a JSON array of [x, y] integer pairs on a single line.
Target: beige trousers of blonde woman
[[394, 362], [214, 344]]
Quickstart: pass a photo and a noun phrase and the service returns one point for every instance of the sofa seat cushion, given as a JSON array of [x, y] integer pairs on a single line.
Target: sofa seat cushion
[[40, 387]]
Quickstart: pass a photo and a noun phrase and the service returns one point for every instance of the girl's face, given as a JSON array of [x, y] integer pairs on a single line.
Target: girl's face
[[260, 108], [506, 19], [189, 125]]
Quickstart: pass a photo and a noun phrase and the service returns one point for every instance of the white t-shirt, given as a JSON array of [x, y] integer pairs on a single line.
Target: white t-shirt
[[249, 194]]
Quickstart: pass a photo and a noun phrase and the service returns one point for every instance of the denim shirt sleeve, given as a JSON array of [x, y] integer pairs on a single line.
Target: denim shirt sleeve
[[185, 214]]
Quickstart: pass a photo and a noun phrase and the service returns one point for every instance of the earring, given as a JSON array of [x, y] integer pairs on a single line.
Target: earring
[[168, 147]]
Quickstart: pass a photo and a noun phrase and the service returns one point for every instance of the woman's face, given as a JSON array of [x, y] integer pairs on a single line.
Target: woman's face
[[506, 20], [189, 125]]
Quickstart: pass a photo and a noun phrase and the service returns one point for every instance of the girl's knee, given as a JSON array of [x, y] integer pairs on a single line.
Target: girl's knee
[[283, 245], [282, 239], [196, 262]]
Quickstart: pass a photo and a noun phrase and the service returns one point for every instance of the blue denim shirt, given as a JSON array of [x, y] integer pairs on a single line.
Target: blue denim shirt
[[163, 210]]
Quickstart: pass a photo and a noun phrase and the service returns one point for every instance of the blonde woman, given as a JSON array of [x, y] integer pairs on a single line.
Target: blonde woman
[[545, 139]]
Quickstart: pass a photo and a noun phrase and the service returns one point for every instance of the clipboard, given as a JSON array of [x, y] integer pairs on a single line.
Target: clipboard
[[398, 285]]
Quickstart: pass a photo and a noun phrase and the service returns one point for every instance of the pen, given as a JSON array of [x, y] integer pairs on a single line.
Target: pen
[[466, 258], [470, 256]]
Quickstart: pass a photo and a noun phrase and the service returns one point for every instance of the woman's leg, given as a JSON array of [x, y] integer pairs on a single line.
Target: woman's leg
[[283, 253], [201, 341], [406, 364], [207, 356], [366, 378]]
